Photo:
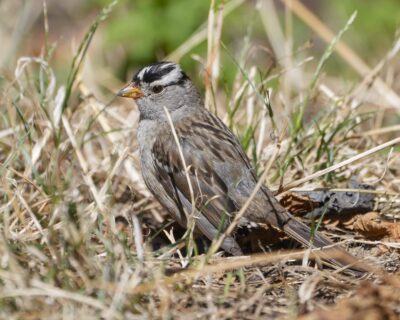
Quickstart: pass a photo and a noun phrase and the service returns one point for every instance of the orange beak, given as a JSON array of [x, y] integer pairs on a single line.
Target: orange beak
[[131, 90]]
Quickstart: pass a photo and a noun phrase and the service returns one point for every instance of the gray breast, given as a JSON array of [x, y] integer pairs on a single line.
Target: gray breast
[[146, 135]]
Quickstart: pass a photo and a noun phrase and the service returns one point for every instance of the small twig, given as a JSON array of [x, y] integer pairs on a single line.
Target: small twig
[[377, 192], [170, 236], [138, 236], [378, 131]]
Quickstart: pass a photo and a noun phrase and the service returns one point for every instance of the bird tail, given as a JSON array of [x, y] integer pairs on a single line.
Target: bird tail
[[302, 233]]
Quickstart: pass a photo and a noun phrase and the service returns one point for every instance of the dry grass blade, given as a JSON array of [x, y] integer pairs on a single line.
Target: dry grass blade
[[113, 137], [379, 131], [215, 21], [84, 166], [340, 165], [343, 50], [219, 265], [54, 293], [191, 219], [200, 35], [82, 50], [81, 236]]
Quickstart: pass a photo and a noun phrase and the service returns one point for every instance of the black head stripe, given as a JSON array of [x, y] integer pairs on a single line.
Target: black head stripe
[[153, 72], [157, 71], [156, 74], [183, 78]]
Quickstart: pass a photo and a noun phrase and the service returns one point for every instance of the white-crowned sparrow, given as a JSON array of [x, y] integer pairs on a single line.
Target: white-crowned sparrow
[[220, 173]]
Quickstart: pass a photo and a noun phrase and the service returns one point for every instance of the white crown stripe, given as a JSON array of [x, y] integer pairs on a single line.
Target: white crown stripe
[[142, 72], [174, 75], [169, 65], [171, 77]]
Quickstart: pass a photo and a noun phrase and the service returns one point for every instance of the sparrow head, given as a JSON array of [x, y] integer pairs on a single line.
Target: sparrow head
[[162, 84]]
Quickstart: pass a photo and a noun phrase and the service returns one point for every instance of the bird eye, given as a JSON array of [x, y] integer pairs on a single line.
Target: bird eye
[[157, 89]]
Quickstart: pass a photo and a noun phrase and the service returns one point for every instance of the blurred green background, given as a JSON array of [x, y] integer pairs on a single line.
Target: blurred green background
[[142, 31]]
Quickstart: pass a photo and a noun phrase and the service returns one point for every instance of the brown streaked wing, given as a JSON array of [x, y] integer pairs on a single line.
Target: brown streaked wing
[[203, 141]]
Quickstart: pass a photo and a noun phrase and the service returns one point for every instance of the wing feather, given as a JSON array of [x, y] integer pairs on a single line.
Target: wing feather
[[210, 191]]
